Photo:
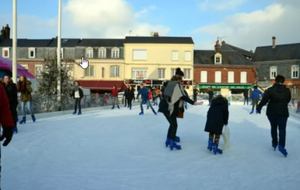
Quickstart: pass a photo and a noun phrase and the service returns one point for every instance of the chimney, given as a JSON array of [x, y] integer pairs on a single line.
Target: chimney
[[156, 34], [3, 32], [273, 42], [223, 42], [7, 32], [218, 47]]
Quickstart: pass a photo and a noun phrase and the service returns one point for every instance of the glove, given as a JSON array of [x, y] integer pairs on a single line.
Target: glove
[[7, 135], [258, 111]]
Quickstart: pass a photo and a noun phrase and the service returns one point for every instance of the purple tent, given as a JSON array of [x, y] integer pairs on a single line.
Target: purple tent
[[6, 64]]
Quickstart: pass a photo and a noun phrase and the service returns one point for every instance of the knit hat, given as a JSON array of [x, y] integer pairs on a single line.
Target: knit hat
[[179, 72]]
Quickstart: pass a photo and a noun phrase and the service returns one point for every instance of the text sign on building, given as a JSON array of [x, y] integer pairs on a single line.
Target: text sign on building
[[225, 87]]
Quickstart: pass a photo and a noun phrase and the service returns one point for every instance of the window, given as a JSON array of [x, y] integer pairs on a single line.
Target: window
[[5, 52], [139, 74], [273, 72], [102, 52], [218, 76], [31, 52], [295, 71], [173, 71], [218, 59], [243, 77], [115, 53], [115, 71], [61, 53], [187, 73], [230, 76], [139, 54], [203, 76], [103, 72], [187, 56], [89, 72], [38, 70], [161, 73], [89, 52], [25, 66], [174, 55]]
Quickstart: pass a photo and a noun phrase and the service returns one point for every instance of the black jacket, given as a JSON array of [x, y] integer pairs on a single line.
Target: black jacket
[[217, 115], [211, 94], [126, 92], [278, 97], [246, 93], [130, 94], [80, 93], [12, 95], [195, 92]]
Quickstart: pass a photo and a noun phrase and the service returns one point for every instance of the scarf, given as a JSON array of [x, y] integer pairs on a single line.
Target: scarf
[[22, 87], [177, 93]]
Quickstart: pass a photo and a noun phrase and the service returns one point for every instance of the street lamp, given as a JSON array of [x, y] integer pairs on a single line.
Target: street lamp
[[14, 45], [58, 54]]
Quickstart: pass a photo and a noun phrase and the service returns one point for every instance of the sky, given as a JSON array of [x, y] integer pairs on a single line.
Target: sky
[[242, 23]]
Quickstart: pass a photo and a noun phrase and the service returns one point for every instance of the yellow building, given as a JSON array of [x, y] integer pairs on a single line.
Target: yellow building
[[153, 60]]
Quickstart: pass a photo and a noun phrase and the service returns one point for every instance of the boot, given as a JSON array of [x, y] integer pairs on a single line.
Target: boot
[[174, 145], [23, 120], [79, 113], [113, 107], [33, 118], [118, 107], [177, 139], [15, 129], [251, 112], [142, 113], [210, 144], [74, 113], [283, 151], [216, 149]]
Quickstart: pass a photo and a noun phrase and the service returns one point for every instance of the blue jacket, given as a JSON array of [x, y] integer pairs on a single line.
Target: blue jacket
[[255, 94], [144, 92]]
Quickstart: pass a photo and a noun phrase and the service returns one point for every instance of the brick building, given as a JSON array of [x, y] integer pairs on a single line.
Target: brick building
[[223, 69]]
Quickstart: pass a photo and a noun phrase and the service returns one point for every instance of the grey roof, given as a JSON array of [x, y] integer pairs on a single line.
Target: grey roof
[[228, 58], [26, 43], [159, 40], [228, 47], [64, 42], [280, 52], [101, 42]]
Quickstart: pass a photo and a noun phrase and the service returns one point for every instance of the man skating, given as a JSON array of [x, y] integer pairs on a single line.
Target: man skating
[[255, 98], [145, 99], [278, 97]]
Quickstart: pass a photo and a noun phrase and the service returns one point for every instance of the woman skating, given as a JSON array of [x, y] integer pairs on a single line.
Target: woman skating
[[77, 94], [130, 96]]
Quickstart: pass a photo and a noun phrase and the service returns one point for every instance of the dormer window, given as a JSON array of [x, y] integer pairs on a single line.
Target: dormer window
[[102, 52], [89, 52], [115, 53], [5, 52], [31, 52], [218, 58]]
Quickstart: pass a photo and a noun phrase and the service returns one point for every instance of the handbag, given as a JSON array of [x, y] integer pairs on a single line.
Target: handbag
[[226, 137], [181, 111]]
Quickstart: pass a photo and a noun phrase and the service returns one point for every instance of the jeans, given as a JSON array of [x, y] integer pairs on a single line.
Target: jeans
[[115, 101], [77, 102], [130, 103], [246, 99], [147, 103], [278, 122], [29, 108], [255, 103], [125, 101], [173, 126]]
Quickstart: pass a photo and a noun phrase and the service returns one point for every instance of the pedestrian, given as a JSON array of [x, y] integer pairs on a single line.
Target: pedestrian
[[24, 87], [195, 93], [145, 99], [172, 107], [210, 95], [130, 96], [246, 96], [77, 94], [217, 117], [229, 97], [125, 95], [278, 97], [6, 121], [115, 94], [12, 95], [255, 98]]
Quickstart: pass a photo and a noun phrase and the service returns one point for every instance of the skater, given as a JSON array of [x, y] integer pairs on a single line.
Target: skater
[[217, 117], [125, 96], [145, 99], [150, 97], [12, 95], [229, 97], [156, 96], [77, 94], [210, 95], [6, 121], [171, 106], [25, 89], [115, 94], [195, 94], [246, 96], [255, 98], [279, 97], [130, 96]]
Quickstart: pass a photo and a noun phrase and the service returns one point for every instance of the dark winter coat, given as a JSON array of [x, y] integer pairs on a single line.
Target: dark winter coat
[[256, 94], [217, 115], [12, 95], [246, 93], [210, 94], [278, 97], [144, 93], [130, 94], [80, 93], [6, 119], [126, 92], [25, 89]]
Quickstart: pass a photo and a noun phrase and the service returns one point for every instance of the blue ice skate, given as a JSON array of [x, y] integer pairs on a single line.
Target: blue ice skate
[[177, 139], [79, 113], [274, 146], [141, 113], [74, 113], [33, 118], [216, 149], [113, 107], [210, 144], [174, 145], [23, 120], [283, 151], [118, 107], [252, 112], [15, 129]]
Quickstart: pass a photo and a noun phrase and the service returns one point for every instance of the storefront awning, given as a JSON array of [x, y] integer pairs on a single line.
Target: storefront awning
[[226, 86], [102, 85]]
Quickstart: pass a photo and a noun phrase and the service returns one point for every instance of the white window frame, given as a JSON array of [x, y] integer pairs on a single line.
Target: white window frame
[[296, 72], [231, 81], [175, 55], [243, 81], [89, 71], [29, 50], [89, 52], [186, 57], [3, 52], [273, 72], [173, 71], [161, 73], [102, 52], [103, 72], [216, 77], [35, 70], [187, 75], [202, 78], [220, 59], [115, 49], [117, 73], [135, 71], [25, 66]]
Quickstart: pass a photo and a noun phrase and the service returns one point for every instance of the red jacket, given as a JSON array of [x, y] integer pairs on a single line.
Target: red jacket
[[115, 92], [150, 95], [6, 119]]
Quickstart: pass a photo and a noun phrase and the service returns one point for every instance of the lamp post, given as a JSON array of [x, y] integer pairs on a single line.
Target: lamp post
[[14, 45], [58, 53]]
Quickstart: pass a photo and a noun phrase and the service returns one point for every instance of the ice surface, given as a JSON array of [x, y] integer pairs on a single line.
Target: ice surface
[[120, 150]]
